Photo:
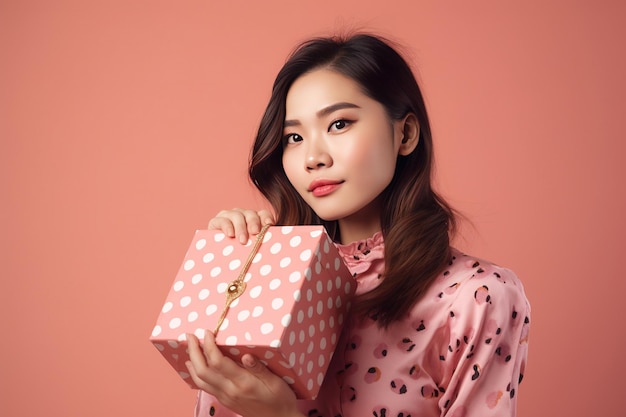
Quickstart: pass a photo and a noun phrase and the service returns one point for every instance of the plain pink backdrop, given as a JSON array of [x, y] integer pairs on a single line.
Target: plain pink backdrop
[[125, 126]]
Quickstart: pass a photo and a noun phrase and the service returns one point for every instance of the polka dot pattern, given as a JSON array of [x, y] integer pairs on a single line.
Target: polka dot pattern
[[290, 316]]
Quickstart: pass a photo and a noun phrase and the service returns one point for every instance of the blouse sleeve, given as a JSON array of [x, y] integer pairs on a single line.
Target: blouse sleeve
[[488, 344]]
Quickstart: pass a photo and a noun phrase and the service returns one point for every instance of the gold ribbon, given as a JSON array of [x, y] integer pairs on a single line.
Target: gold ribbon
[[238, 286]]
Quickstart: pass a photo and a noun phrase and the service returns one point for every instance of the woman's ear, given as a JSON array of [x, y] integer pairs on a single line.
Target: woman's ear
[[410, 134]]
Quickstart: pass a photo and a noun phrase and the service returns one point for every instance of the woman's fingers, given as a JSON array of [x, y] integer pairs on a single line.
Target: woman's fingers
[[241, 223]]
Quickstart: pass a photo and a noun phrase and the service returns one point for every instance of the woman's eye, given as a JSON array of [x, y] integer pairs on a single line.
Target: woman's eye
[[292, 138], [339, 124]]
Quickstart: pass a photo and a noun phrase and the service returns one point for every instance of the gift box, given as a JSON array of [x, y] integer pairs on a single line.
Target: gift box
[[289, 315]]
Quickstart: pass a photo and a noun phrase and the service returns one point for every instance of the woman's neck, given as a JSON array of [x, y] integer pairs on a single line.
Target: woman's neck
[[352, 229]]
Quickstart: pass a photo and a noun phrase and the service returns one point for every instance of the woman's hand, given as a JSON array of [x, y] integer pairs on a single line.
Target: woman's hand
[[249, 389], [241, 223]]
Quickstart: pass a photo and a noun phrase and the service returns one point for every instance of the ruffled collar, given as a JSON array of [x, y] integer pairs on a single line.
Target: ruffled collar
[[360, 254]]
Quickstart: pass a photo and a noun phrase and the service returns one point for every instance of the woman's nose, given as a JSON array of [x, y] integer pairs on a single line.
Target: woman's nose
[[317, 157]]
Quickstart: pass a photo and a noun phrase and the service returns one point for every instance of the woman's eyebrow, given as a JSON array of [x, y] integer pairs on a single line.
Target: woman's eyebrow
[[324, 112]]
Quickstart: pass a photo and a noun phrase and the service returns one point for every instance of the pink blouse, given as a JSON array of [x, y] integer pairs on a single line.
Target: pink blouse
[[460, 352]]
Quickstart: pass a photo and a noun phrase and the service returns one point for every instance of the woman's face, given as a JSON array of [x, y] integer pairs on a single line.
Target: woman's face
[[340, 149]]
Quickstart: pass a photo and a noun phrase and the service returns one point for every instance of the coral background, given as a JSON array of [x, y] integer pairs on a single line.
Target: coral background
[[126, 125]]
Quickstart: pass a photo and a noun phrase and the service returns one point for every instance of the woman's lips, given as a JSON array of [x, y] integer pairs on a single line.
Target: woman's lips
[[320, 188]]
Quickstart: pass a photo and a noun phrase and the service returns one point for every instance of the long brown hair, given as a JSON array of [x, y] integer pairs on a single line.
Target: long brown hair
[[415, 221]]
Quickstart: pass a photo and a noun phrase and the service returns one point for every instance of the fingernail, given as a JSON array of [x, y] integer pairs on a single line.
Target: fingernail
[[243, 238]]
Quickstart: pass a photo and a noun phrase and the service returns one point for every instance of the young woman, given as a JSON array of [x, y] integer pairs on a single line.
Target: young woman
[[345, 142]]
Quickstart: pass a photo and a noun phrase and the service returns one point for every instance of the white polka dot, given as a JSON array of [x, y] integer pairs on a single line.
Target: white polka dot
[[216, 271], [230, 341], [310, 348], [208, 257], [196, 279], [292, 359], [292, 338], [323, 343], [295, 241], [309, 312], [204, 294], [275, 283], [295, 277], [316, 233], [297, 295], [175, 323], [268, 354], [320, 307], [277, 303], [311, 330], [331, 322], [191, 317], [172, 344], [319, 287], [338, 302], [326, 247], [329, 303], [284, 263], [286, 230], [183, 375], [286, 320], [302, 357], [247, 277], [321, 360], [305, 255], [340, 319], [201, 243], [308, 274], [309, 295], [322, 325], [234, 264], [175, 356], [185, 301], [257, 312], [218, 237], [257, 258], [320, 378], [159, 346], [275, 343], [267, 328], [200, 333], [300, 316], [235, 351], [329, 286], [309, 366], [275, 248], [348, 288], [189, 264], [243, 315], [338, 282], [302, 337], [156, 331], [225, 324], [337, 264], [221, 287], [211, 309], [256, 291], [167, 306], [333, 339], [318, 268], [178, 285], [265, 270], [247, 336], [309, 384], [289, 380], [228, 250], [267, 237]]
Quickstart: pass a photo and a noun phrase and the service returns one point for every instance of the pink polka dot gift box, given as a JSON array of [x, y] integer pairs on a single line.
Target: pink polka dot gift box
[[282, 297]]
